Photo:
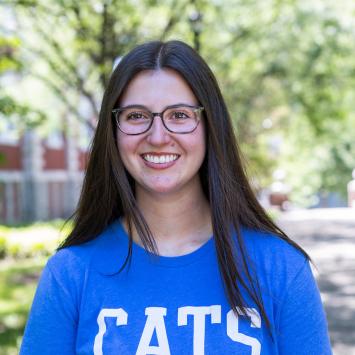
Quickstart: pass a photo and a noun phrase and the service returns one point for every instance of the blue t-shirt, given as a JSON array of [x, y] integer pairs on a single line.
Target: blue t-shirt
[[172, 305]]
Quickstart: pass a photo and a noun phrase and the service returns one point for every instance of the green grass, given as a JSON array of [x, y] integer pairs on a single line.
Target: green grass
[[24, 250], [18, 281]]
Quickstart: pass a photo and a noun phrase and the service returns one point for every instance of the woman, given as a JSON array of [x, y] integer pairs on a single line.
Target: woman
[[171, 252]]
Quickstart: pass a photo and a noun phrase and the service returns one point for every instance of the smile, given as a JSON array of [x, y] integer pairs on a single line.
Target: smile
[[160, 159]]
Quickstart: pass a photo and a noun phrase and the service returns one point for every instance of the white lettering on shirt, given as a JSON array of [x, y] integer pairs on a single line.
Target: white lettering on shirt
[[199, 316], [121, 319], [235, 335], [155, 321]]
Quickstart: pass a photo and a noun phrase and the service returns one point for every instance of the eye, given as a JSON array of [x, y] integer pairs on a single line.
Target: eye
[[137, 115], [179, 115]]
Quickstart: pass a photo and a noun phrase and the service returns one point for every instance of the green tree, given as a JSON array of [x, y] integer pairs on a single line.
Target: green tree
[[285, 67], [289, 67], [78, 43], [11, 110]]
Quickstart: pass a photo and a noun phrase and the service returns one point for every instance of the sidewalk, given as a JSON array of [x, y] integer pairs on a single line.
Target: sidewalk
[[328, 236]]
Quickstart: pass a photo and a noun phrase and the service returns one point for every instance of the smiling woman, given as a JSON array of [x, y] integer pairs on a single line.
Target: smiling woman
[[171, 251], [146, 156]]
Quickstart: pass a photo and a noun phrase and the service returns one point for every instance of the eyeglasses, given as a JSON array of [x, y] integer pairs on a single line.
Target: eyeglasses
[[137, 119]]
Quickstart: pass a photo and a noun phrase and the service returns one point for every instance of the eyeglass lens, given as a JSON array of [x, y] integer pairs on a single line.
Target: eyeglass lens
[[180, 119]]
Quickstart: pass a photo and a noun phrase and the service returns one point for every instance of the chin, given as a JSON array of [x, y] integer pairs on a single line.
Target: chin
[[162, 189]]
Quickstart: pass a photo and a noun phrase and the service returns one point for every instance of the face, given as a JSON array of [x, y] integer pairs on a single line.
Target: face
[[157, 89]]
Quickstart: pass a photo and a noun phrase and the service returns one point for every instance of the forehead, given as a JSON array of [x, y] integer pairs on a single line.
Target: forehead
[[157, 89]]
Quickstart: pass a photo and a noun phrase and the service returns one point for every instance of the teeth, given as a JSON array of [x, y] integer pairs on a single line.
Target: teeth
[[160, 159]]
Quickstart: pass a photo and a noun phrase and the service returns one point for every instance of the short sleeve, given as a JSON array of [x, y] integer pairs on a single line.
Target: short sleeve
[[51, 326], [302, 326]]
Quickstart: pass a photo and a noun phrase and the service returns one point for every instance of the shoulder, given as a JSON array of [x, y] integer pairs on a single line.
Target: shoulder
[[103, 254], [276, 261], [270, 247]]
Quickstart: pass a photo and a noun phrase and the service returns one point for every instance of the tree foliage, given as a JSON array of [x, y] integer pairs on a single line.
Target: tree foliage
[[86, 40], [288, 74], [18, 113], [285, 67]]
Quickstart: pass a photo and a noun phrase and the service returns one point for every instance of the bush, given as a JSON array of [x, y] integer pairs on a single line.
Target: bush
[[2, 247], [14, 250], [40, 249], [37, 239]]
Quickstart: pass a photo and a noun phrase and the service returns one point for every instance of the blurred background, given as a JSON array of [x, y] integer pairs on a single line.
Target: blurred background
[[287, 71]]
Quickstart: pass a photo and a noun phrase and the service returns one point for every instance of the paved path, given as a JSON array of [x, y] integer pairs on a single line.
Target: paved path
[[328, 235]]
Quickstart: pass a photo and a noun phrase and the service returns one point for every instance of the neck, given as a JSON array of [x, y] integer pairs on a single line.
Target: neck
[[180, 222]]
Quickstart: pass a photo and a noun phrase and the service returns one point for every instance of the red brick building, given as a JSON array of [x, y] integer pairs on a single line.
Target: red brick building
[[39, 180]]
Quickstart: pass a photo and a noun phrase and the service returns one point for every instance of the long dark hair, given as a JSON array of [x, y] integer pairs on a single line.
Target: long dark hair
[[108, 190]]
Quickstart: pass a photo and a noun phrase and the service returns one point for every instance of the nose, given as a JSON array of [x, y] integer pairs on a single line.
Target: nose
[[158, 134]]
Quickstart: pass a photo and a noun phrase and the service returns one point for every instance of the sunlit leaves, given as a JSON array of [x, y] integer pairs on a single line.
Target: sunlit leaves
[[286, 70]]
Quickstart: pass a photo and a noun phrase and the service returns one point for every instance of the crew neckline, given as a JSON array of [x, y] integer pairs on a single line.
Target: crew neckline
[[167, 261]]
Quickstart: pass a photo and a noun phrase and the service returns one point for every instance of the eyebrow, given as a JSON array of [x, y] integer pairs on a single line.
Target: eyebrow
[[166, 107]]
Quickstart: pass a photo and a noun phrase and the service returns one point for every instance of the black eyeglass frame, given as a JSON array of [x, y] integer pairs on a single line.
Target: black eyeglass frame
[[197, 110]]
